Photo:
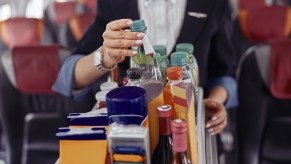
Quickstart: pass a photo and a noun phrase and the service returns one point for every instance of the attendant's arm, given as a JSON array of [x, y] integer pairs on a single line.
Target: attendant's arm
[[221, 66], [218, 94], [115, 47]]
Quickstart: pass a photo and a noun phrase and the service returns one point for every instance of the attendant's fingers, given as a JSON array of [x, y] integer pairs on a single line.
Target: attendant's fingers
[[215, 121], [217, 128], [116, 53], [119, 24], [215, 110], [123, 34], [121, 43]]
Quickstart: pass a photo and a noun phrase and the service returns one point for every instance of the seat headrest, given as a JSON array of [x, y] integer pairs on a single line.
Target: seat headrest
[[246, 4], [280, 75], [35, 68], [263, 23], [61, 12], [80, 23], [90, 4], [21, 31]]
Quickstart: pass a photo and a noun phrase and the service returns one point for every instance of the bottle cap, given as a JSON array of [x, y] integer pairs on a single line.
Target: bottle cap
[[164, 111], [101, 96], [179, 58], [161, 49], [108, 86], [179, 135], [179, 126], [138, 26], [186, 47], [133, 73], [175, 73]]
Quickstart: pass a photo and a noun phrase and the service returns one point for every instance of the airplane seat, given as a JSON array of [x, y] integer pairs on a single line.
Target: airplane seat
[[258, 24], [264, 113], [59, 13], [30, 112], [282, 2], [30, 30], [90, 5], [72, 32]]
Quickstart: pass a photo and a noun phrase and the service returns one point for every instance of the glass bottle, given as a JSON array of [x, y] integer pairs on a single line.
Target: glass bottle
[[189, 48], [174, 76], [163, 59], [163, 152], [179, 134], [179, 59], [145, 59], [134, 77]]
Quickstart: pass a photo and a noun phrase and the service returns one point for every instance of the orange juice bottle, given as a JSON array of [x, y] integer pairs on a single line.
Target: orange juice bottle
[[174, 76]]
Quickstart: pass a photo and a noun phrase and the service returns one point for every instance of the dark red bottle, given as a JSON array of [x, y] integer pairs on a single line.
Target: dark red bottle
[[164, 150], [179, 134]]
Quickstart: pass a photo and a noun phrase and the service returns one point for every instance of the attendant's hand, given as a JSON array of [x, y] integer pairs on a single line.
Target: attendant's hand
[[117, 42], [217, 115]]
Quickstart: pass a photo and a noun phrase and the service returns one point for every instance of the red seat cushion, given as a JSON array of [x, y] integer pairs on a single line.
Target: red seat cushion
[[35, 68], [281, 69], [64, 11], [80, 23], [21, 31], [263, 23], [246, 4], [90, 4]]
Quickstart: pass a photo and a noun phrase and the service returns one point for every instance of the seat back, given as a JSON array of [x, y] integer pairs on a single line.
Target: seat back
[[246, 4], [21, 31], [263, 23], [57, 14], [91, 5], [40, 64], [72, 32], [26, 76], [256, 25], [264, 119], [60, 12]]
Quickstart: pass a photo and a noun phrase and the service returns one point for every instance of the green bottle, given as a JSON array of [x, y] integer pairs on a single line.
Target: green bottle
[[145, 59], [163, 59], [189, 48]]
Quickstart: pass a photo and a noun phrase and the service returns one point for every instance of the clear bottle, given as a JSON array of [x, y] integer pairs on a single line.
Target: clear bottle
[[163, 59], [179, 135], [145, 59], [134, 77], [179, 59], [174, 76], [163, 152], [189, 48]]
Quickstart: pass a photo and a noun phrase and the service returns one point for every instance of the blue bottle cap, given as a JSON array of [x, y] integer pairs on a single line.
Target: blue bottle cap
[[126, 105], [186, 47], [161, 49], [179, 59], [138, 26]]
